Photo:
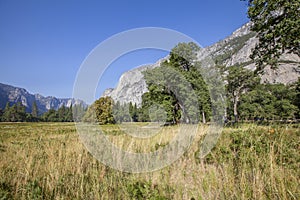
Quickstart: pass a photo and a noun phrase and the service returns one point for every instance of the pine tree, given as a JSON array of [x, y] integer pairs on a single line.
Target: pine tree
[[1, 114], [6, 113], [34, 110], [69, 114]]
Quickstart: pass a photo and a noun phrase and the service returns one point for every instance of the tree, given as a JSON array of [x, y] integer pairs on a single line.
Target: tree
[[269, 102], [177, 86], [69, 114], [277, 23], [1, 113], [101, 111], [50, 116], [133, 112], [6, 113], [297, 97], [62, 112], [78, 111], [15, 113], [34, 110], [238, 81]]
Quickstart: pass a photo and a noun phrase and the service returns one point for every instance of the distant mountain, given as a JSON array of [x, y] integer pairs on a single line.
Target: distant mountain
[[13, 95], [233, 50]]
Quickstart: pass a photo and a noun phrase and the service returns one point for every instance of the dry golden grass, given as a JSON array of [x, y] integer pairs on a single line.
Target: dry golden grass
[[48, 161]]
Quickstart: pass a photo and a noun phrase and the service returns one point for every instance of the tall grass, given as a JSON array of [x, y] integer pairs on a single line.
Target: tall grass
[[48, 161]]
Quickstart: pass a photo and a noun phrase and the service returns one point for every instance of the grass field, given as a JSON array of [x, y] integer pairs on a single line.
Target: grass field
[[48, 161]]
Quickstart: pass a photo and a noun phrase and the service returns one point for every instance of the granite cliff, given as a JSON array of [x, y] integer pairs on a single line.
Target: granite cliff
[[233, 50]]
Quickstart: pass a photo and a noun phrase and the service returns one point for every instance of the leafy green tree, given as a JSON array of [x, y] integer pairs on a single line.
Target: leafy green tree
[[277, 23], [104, 113], [238, 81], [257, 104], [178, 86], [101, 111], [297, 97], [269, 102], [285, 109], [161, 92]]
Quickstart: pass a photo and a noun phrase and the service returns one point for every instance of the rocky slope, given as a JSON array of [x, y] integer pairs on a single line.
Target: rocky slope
[[233, 50], [131, 85], [236, 50], [13, 95]]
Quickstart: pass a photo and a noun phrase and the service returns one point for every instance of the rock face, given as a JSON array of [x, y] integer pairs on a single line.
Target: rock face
[[236, 50], [233, 50], [131, 85], [13, 95]]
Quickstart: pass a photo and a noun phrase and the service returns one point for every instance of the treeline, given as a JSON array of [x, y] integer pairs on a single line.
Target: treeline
[[106, 111], [17, 113], [178, 93]]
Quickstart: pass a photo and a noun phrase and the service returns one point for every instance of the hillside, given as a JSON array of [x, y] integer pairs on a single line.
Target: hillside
[[13, 95], [233, 50]]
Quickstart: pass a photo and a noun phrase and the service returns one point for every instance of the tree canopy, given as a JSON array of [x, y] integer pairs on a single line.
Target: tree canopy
[[178, 87], [277, 23]]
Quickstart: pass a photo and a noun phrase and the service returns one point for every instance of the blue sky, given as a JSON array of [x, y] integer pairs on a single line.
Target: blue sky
[[44, 42]]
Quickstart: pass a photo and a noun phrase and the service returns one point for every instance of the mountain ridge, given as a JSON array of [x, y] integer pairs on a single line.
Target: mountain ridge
[[13, 95], [235, 49]]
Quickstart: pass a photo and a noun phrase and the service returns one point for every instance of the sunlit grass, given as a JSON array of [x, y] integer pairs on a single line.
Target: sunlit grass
[[48, 161]]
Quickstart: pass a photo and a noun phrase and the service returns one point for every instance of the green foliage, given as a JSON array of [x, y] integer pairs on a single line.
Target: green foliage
[[177, 87], [17, 113], [101, 111], [63, 114], [296, 99], [144, 190], [121, 112], [133, 111], [5, 191], [34, 110], [14, 113], [277, 23], [269, 102], [77, 111], [238, 81]]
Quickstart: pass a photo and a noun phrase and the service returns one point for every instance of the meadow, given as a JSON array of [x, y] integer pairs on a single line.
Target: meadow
[[48, 161]]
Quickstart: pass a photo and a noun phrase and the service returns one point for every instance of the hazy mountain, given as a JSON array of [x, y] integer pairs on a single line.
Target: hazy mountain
[[233, 50], [13, 95]]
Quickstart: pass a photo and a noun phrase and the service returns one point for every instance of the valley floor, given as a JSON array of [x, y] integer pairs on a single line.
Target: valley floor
[[49, 161]]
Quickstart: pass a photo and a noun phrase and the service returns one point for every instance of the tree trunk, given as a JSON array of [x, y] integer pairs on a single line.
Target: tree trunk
[[235, 109], [203, 117]]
